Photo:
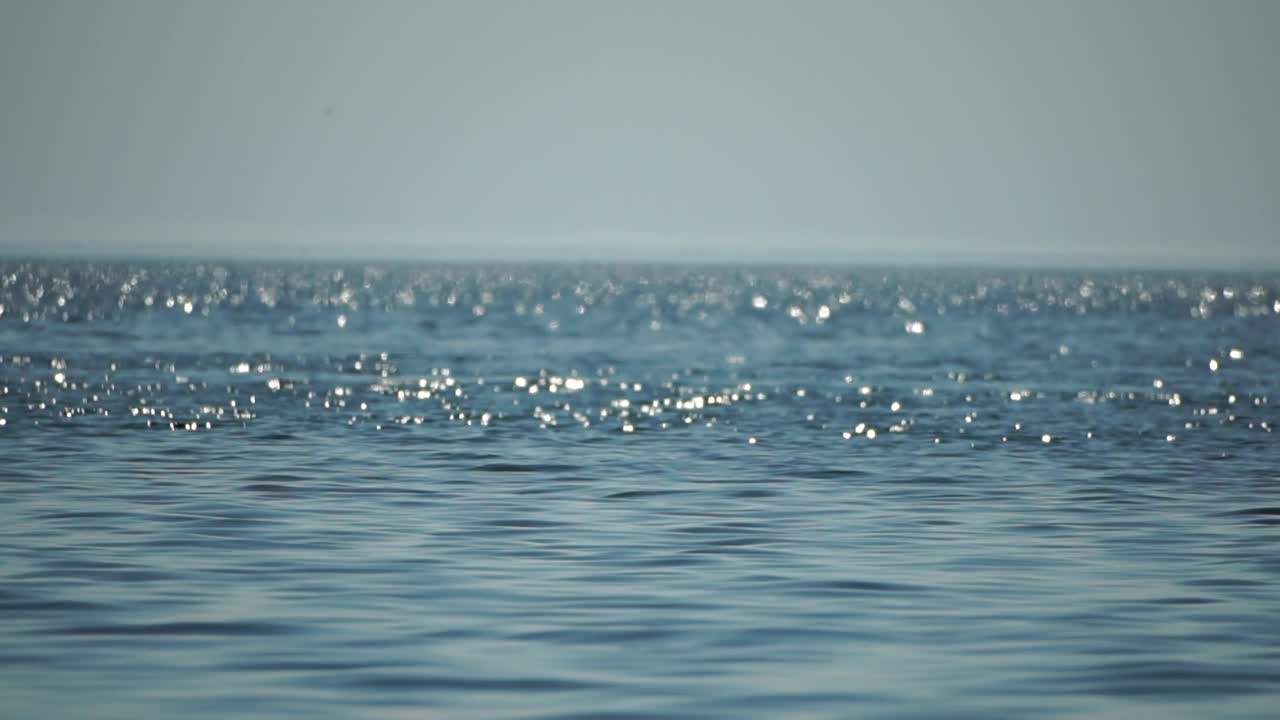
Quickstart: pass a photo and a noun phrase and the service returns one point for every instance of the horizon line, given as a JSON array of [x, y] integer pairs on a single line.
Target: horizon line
[[901, 261]]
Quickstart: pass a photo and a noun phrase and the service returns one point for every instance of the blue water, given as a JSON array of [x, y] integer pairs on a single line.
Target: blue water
[[330, 491]]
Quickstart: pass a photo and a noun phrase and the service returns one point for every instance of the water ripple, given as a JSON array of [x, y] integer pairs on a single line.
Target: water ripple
[[650, 491]]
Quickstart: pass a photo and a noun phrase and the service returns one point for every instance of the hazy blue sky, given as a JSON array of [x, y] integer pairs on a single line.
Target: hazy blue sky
[[1077, 131]]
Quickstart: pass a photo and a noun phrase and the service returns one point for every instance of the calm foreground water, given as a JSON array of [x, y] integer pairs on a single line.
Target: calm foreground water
[[327, 491]]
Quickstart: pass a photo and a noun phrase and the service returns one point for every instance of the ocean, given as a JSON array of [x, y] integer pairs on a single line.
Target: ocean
[[330, 490]]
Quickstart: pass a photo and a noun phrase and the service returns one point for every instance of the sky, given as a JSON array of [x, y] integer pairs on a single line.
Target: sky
[[1076, 132]]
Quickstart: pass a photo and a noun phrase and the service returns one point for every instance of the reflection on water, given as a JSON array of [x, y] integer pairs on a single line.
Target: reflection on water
[[331, 491]]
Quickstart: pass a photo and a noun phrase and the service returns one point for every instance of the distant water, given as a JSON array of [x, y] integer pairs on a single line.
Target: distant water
[[324, 491]]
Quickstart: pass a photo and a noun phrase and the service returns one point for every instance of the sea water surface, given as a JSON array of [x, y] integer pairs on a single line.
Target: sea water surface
[[332, 491]]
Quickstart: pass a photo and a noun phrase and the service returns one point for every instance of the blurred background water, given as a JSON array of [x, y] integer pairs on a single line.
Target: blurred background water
[[270, 490]]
